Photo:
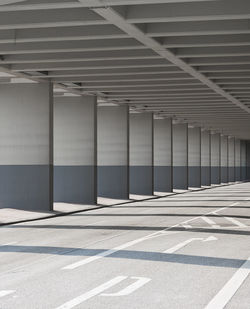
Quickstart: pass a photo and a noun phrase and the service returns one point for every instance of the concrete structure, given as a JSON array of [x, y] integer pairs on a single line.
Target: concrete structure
[[141, 154], [26, 173], [215, 159], [75, 149], [243, 160], [231, 159], [180, 156], [237, 160], [163, 173], [248, 159], [194, 157], [205, 158], [224, 158], [113, 151]]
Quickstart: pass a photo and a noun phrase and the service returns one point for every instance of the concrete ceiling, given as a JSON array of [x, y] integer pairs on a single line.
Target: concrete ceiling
[[188, 59]]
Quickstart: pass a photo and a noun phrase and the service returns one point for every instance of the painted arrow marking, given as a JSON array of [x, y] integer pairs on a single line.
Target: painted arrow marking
[[188, 241], [116, 249], [97, 291], [131, 288]]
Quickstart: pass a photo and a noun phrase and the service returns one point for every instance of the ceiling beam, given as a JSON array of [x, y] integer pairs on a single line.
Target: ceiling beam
[[115, 18]]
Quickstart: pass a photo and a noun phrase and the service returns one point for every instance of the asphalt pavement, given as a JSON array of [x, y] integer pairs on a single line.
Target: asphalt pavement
[[187, 251]]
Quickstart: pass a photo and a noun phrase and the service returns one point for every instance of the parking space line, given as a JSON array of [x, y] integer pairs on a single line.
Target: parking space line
[[5, 293], [210, 222], [230, 288], [234, 221]]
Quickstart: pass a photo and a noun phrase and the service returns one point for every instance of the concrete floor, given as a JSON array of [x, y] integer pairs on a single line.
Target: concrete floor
[[182, 251]]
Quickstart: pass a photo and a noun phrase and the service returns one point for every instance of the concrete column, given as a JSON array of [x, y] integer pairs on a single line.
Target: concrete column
[[180, 156], [26, 139], [237, 160], [248, 159], [75, 150], [113, 151], [231, 159], [194, 157], [224, 158], [243, 160], [163, 155], [215, 158], [141, 154], [205, 158]]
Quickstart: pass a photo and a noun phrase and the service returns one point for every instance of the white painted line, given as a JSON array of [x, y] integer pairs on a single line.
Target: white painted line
[[231, 287], [5, 293], [131, 243], [111, 251], [186, 242], [234, 204], [8, 244], [187, 226], [236, 222], [210, 222], [130, 289], [82, 298], [181, 245]]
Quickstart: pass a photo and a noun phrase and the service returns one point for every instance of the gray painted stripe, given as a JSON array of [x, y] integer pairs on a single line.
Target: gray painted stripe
[[74, 184], [26, 187]]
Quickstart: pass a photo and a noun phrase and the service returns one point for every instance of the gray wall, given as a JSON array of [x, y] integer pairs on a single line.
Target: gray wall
[[215, 158], [243, 160], [237, 160], [194, 157], [26, 173], [113, 151], [180, 156], [231, 159], [75, 150], [205, 158], [224, 158], [141, 154], [163, 155]]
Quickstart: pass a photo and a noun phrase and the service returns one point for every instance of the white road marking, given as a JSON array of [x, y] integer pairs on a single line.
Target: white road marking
[[131, 243], [8, 244], [210, 222], [187, 226], [82, 298], [111, 251], [230, 288], [186, 242], [5, 293], [130, 289], [234, 221]]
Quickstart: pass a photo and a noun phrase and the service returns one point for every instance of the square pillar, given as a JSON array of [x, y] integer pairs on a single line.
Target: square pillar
[[75, 150], [26, 146], [205, 158], [237, 159], [180, 156], [224, 158], [231, 159], [248, 159], [243, 160], [113, 151], [141, 154], [194, 157], [163, 155], [215, 158]]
